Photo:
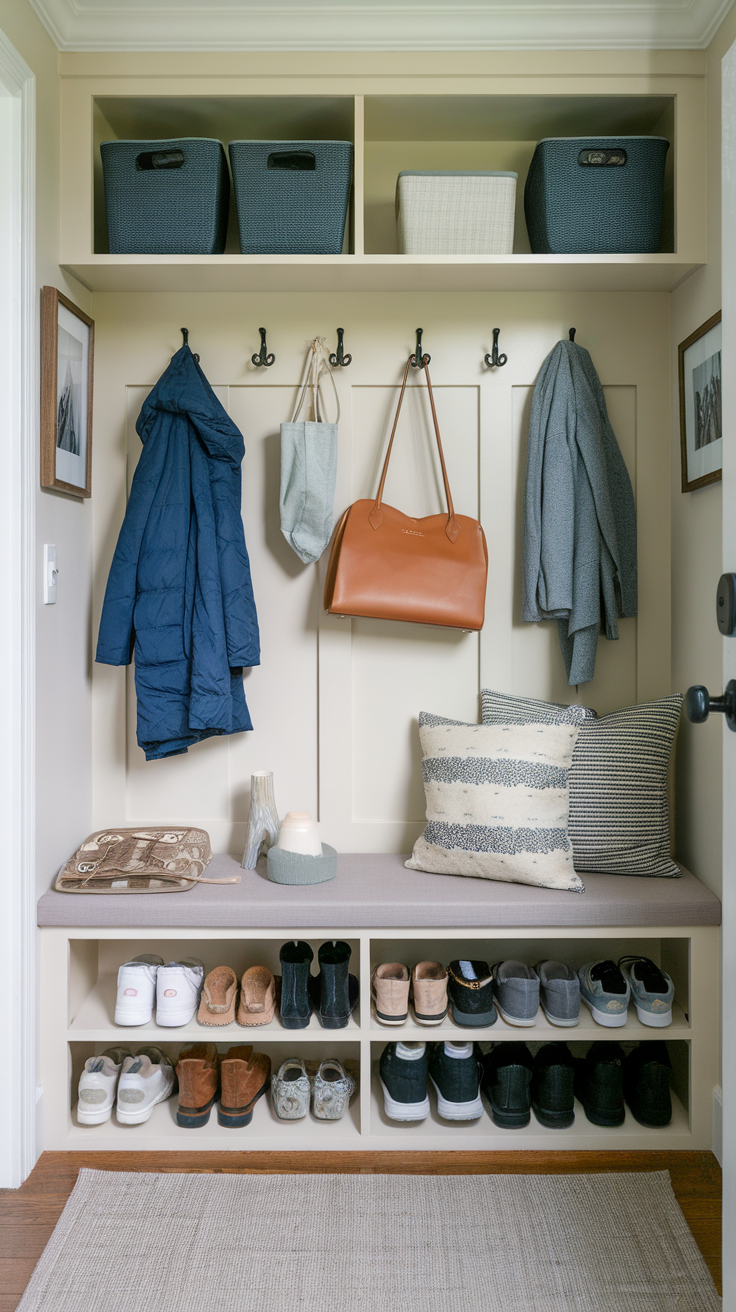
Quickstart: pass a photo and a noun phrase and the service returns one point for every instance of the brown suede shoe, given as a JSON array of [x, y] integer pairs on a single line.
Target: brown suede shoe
[[217, 1006], [257, 997], [246, 1075], [198, 1072]]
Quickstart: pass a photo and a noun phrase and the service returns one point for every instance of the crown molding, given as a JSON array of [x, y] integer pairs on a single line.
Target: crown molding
[[363, 25]]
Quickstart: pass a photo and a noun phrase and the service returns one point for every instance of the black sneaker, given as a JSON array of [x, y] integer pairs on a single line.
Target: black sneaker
[[553, 1098], [507, 1075], [647, 1075], [470, 987], [599, 1083], [455, 1071], [403, 1072]]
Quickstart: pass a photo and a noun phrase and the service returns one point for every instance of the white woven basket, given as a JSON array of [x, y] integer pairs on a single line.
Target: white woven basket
[[459, 213]]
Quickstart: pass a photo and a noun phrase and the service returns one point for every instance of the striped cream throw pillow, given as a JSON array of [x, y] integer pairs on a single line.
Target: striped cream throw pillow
[[619, 799], [497, 802]]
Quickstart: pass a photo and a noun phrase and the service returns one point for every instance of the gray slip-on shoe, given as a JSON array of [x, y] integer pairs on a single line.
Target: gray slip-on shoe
[[559, 989], [652, 990], [516, 992], [605, 990]]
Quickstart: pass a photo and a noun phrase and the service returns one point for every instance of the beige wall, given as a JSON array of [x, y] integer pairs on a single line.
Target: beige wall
[[63, 703], [696, 542], [335, 703]]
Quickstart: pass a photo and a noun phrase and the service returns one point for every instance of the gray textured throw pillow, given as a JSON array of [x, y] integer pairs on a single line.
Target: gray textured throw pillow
[[619, 799], [497, 802]]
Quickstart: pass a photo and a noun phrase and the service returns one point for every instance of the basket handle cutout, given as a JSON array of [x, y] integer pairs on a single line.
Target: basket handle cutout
[[296, 161], [596, 158], [159, 159]]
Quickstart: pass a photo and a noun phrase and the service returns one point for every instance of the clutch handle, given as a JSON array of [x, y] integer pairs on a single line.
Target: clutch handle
[[452, 528]]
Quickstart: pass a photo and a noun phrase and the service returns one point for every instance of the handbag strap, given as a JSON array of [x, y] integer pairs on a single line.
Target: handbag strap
[[452, 528], [317, 365]]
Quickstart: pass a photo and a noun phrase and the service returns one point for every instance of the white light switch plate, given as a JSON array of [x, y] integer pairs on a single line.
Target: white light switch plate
[[49, 574]]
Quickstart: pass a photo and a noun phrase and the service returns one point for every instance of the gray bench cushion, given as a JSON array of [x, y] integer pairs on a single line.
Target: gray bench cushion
[[377, 891]]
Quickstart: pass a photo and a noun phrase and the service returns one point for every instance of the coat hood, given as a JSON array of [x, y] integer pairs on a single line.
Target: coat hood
[[183, 390]]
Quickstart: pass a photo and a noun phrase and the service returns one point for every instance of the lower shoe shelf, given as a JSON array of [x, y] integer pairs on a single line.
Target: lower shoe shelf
[[265, 1131], [486, 1135]]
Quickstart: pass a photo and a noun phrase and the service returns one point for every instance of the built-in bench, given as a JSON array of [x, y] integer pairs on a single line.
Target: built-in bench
[[386, 913]]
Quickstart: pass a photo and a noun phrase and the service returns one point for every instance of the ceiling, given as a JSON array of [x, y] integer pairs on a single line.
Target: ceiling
[[380, 24]]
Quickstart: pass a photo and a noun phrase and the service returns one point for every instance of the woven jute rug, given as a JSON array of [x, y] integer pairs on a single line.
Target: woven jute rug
[[131, 1242]]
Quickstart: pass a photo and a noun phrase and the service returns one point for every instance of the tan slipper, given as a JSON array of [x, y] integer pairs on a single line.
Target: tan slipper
[[257, 997], [217, 1005]]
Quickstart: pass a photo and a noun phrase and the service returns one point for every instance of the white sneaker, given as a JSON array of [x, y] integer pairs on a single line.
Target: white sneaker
[[147, 1079], [97, 1085], [136, 990], [178, 987]]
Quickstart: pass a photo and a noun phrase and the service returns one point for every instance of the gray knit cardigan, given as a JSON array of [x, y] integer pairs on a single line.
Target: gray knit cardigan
[[579, 513]]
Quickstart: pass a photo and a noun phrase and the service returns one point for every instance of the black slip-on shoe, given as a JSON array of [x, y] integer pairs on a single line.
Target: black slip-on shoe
[[553, 1078], [507, 1075], [647, 1076], [470, 986], [599, 1083]]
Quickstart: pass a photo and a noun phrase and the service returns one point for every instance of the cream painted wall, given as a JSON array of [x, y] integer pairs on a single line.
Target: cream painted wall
[[335, 703], [63, 702], [697, 655]]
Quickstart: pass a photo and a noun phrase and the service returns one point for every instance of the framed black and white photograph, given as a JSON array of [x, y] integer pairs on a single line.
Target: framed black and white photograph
[[701, 432], [67, 361]]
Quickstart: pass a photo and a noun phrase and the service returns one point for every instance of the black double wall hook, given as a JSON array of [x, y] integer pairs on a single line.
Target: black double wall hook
[[494, 360], [185, 335], [262, 357], [338, 358], [572, 334], [417, 360]]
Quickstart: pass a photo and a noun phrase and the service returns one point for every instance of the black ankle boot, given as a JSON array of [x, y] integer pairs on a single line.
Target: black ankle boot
[[335, 991], [296, 1003]]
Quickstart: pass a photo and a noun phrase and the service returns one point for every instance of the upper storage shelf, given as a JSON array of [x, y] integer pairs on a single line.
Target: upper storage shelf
[[475, 122]]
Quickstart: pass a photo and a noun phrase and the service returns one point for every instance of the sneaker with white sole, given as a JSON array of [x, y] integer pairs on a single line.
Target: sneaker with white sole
[[146, 1079], [403, 1073], [652, 990], [97, 1085], [455, 1071], [606, 991], [137, 990], [178, 989]]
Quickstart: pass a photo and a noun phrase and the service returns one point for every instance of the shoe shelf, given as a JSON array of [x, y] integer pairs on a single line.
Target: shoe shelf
[[486, 1136], [541, 1032], [78, 988]]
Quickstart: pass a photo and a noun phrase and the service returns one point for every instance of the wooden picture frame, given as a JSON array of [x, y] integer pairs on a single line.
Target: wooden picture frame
[[67, 368], [701, 413]]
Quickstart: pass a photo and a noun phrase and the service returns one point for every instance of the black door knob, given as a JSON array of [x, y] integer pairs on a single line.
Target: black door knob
[[699, 704]]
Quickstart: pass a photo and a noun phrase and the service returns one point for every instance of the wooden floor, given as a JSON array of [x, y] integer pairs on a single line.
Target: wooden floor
[[29, 1214]]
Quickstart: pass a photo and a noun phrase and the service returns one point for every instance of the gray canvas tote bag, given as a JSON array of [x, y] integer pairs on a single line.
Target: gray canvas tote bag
[[309, 465]]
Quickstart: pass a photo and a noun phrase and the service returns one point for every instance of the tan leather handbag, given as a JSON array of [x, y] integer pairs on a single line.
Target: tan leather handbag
[[385, 565]]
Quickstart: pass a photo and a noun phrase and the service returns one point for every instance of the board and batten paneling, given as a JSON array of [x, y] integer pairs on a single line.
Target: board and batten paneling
[[335, 702]]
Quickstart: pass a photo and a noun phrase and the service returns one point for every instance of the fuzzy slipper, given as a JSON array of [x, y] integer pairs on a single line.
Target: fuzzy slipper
[[217, 1006], [257, 997]]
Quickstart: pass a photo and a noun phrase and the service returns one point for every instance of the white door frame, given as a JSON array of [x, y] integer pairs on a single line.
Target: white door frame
[[729, 672], [19, 1138]]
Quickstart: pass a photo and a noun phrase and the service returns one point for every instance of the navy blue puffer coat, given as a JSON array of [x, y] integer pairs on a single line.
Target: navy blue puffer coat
[[179, 591]]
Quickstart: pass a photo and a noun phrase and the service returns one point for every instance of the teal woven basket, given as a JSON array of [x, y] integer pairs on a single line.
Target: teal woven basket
[[166, 197], [595, 195], [291, 196]]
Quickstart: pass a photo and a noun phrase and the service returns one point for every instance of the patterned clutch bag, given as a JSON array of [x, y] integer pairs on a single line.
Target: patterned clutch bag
[[139, 861]]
